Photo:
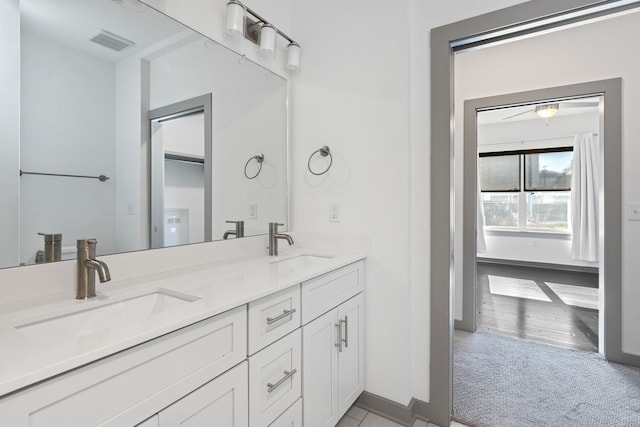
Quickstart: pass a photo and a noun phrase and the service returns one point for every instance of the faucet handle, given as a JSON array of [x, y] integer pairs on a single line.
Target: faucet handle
[[234, 222]]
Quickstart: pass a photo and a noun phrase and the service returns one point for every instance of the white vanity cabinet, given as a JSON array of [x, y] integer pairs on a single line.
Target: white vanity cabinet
[[333, 363], [292, 358], [126, 388]]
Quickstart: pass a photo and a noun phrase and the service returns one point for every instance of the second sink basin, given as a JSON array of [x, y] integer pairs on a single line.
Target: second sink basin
[[115, 317]]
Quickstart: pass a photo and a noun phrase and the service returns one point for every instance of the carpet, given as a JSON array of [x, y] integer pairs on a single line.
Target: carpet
[[501, 381]]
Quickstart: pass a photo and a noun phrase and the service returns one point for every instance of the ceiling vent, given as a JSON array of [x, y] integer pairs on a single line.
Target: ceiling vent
[[111, 41]]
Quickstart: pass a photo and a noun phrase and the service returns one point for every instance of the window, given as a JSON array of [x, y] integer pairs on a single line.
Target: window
[[526, 190]]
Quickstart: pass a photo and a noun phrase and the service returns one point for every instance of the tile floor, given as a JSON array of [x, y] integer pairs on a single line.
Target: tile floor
[[358, 417]]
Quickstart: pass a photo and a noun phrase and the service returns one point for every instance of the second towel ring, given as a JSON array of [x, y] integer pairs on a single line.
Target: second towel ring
[[258, 158], [324, 152]]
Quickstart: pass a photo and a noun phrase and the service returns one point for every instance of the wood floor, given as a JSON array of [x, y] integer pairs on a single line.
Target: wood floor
[[539, 313]]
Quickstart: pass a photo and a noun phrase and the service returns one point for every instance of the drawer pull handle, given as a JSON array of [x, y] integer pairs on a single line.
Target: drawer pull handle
[[282, 316], [287, 375]]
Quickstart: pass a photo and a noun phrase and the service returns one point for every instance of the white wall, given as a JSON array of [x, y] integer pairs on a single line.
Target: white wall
[[364, 92], [9, 132], [184, 189], [70, 96], [599, 50]]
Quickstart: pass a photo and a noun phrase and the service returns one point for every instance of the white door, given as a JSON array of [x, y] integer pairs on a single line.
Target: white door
[[320, 371]]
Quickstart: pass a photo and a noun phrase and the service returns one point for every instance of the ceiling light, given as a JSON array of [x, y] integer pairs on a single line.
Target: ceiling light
[[234, 25], [546, 111]]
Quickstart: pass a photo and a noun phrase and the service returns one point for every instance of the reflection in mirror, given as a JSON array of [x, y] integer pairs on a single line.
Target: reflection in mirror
[[90, 72]]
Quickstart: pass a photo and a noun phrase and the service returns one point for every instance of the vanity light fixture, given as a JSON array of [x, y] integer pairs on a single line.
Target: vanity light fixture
[[235, 19], [241, 19], [267, 45], [547, 110]]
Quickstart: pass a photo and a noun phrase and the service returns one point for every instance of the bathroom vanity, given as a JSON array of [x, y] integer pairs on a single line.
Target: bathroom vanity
[[263, 341]]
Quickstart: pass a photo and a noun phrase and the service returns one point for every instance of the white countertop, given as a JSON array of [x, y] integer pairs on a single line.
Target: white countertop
[[213, 289]]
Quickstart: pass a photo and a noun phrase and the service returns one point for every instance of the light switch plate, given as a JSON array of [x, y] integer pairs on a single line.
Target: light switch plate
[[633, 211], [334, 212], [253, 210]]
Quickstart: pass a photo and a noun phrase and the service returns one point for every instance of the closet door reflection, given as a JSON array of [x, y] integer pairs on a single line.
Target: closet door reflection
[[180, 165]]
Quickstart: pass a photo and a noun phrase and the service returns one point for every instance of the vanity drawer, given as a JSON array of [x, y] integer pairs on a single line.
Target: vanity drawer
[[130, 386], [323, 293], [275, 375], [273, 317], [291, 418]]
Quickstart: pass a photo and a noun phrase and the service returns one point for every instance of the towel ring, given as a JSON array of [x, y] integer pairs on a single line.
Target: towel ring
[[258, 158], [324, 152]]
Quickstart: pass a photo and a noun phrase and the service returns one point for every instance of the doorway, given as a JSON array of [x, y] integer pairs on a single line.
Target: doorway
[[511, 22], [181, 207], [535, 275]]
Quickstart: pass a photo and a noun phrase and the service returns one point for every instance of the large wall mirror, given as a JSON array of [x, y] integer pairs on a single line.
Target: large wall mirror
[[91, 71]]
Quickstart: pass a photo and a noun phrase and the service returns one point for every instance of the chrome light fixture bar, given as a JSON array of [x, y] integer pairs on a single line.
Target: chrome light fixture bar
[[241, 19]]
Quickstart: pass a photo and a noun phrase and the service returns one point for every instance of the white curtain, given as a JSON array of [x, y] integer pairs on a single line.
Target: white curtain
[[585, 186]]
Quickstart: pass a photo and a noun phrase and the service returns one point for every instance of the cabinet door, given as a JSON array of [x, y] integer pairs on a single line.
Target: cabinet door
[[350, 356], [320, 371], [221, 402]]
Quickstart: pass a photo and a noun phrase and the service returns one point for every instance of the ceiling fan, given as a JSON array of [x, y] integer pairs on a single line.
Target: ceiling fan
[[546, 111]]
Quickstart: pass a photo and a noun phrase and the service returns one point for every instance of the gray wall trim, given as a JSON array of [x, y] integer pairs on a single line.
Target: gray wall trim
[[441, 84], [547, 265], [401, 414]]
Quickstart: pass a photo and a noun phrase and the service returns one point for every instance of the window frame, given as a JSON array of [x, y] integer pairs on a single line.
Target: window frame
[[524, 191]]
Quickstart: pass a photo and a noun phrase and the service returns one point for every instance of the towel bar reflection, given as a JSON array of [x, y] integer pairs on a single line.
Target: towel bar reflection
[[324, 152], [101, 178], [258, 158]]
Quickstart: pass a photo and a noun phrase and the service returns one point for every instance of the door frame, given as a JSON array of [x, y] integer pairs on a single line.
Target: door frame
[[504, 24], [610, 205]]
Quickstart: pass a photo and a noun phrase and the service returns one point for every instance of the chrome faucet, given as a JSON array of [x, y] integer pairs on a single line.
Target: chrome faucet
[[238, 232], [86, 264], [274, 236]]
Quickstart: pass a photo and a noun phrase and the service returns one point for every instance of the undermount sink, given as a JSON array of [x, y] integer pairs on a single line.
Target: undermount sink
[[105, 319], [302, 261]]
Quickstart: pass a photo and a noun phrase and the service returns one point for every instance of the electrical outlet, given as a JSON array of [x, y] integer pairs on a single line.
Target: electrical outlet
[[253, 210], [334, 212]]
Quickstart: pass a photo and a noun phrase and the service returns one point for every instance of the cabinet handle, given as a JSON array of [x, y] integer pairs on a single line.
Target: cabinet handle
[[287, 375], [339, 343], [346, 331], [282, 316]]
